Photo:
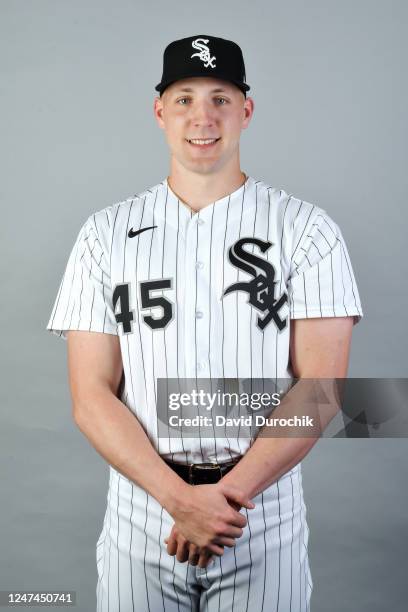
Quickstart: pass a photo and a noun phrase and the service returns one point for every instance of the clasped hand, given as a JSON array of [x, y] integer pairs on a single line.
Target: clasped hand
[[206, 520]]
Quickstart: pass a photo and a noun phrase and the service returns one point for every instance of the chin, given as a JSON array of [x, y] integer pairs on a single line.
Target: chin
[[204, 168]]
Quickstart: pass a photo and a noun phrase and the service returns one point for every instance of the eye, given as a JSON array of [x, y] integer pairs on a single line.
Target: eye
[[222, 101], [181, 101]]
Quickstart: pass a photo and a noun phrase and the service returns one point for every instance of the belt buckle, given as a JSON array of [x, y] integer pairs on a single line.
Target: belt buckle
[[203, 467]]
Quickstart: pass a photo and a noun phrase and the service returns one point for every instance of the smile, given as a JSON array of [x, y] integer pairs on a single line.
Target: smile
[[203, 142]]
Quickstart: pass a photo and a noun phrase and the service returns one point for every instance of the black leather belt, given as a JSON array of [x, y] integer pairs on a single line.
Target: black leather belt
[[202, 473]]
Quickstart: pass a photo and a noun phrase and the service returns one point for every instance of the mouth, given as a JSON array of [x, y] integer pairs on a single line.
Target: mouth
[[203, 143]]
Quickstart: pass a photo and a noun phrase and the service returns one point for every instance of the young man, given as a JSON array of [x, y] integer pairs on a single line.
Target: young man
[[208, 274]]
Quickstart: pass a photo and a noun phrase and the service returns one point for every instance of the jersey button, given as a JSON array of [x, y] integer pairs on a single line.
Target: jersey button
[[199, 265], [199, 314], [200, 221]]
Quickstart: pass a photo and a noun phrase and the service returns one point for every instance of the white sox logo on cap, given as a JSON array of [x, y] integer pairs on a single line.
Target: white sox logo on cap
[[204, 52]]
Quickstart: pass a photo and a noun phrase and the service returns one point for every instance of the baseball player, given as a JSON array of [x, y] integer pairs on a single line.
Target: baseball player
[[207, 274]]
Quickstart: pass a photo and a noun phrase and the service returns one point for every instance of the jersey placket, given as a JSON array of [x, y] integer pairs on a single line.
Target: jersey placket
[[198, 238], [196, 346]]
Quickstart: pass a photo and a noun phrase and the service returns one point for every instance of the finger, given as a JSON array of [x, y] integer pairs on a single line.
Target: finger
[[237, 519], [172, 544], [216, 549], [193, 554], [172, 547], [223, 541], [237, 496], [234, 505], [230, 532], [182, 550], [205, 558]]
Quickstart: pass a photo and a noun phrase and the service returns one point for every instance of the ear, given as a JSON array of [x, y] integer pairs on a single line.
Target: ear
[[249, 107], [158, 111]]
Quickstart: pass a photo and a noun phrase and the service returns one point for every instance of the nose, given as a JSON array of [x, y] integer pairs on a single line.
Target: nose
[[203, 114]]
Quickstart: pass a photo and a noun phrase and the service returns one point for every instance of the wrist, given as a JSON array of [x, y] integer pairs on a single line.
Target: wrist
[[239, 482], [174, 494]]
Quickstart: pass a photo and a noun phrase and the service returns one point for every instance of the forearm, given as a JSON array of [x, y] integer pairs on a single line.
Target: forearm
[[119, 438], [270, 457]]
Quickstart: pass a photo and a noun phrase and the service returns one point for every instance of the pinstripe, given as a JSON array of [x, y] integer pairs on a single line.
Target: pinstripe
[[112, 237], [195, 326], [99, 591], [265, 556], [267, 257], [123, 280], [236, 293], [300, 560], [280, 547], [296, 216], [195, 306], [320, 232], [304, 285], [252, 310], [178, 318], [82, 287], [110, 543], [250, 557], [318, 285], [131, 513], [280, 288], [222, 310], [177, 313], [144, 554], [237, 340], [304, 229], [332, 285], [117, 538], [130, 549], [291, 544], [160, 554], [351, 276], [150, 258], [137, 317], [93, 293], [222, 301], [209, 291], [174, 583], [186, 584], [154, 387], [342, 281], [164, 330]]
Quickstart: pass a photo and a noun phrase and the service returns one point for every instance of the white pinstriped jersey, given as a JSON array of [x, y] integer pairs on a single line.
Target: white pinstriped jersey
[[204, 295]]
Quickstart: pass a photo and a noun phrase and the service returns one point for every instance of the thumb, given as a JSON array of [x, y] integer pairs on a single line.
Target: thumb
[[238, 496]]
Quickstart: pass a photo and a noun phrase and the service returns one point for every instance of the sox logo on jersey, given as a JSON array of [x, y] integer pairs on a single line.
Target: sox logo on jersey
[[204, 52], [261, 289]]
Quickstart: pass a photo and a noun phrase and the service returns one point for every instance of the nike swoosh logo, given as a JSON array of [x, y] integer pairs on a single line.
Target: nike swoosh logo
[[132, 233]]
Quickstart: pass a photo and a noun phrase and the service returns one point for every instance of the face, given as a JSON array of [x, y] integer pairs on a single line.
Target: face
[[203, 118]]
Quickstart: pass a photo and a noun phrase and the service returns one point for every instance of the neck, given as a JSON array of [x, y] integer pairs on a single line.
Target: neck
[[198, 190]]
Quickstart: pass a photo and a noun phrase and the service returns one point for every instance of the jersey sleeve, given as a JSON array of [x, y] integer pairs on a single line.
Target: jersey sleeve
[[84, 298], [322, 281]]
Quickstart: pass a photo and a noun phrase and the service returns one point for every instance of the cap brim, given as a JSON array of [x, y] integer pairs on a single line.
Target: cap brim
[[163, 84]]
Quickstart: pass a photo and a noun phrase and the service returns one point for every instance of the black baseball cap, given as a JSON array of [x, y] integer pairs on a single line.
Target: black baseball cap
[[203, 55]]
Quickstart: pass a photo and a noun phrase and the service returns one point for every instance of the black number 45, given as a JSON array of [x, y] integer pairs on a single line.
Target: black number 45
[[125, 316]]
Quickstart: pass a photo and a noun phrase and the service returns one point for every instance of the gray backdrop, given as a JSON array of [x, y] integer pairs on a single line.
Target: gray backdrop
[[78, 134]]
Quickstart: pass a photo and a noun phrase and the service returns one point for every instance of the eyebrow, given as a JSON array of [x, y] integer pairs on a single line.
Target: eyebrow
[[190, 90]]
